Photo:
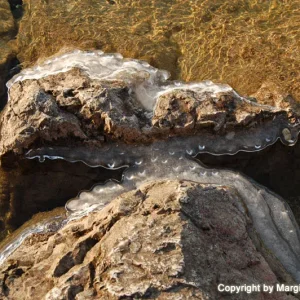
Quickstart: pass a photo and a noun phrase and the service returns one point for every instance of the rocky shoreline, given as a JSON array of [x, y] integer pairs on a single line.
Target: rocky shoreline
[[125, 175], [170, 227]]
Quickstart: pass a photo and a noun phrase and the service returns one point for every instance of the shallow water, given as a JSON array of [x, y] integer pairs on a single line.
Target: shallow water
[[241, 43]]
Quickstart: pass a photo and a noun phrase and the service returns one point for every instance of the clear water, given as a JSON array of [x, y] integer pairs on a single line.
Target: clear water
[[240, 43]]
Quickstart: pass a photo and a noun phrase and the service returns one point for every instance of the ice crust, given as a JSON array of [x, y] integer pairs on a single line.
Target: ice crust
[[271, 216], [175, 157], [147, 82]]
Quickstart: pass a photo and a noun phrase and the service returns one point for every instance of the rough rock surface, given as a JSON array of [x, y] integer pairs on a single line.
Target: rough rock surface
[[166, 240], [270, 94], [71, 108], [7, 21], [7, 30]]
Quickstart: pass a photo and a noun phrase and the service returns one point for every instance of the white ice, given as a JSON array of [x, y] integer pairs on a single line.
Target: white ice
[[147, 82]]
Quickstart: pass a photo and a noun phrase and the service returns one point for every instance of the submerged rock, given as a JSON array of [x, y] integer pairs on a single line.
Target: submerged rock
[[7, 25], [165, 240], [7, 55]]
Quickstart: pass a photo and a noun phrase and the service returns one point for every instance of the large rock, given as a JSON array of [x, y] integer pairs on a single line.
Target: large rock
[[166, 240], [72, 109]]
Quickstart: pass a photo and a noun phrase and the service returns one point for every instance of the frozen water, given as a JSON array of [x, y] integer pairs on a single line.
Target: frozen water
[[147, 82]]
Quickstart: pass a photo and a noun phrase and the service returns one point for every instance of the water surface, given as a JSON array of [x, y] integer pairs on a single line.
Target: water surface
[[242, 43]]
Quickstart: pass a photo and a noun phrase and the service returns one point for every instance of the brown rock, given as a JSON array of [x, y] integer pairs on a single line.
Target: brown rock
[[72, 109], [67, 106], [7, 31], [166, 240], [185, 111], [271, 94], [7, 25]]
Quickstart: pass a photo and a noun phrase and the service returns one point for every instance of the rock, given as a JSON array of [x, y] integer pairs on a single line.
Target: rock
[[7, 25], [67, 106], [7, 52], [184, 111], [165, 240], [271, 94], [5, 57], [70, 108]]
